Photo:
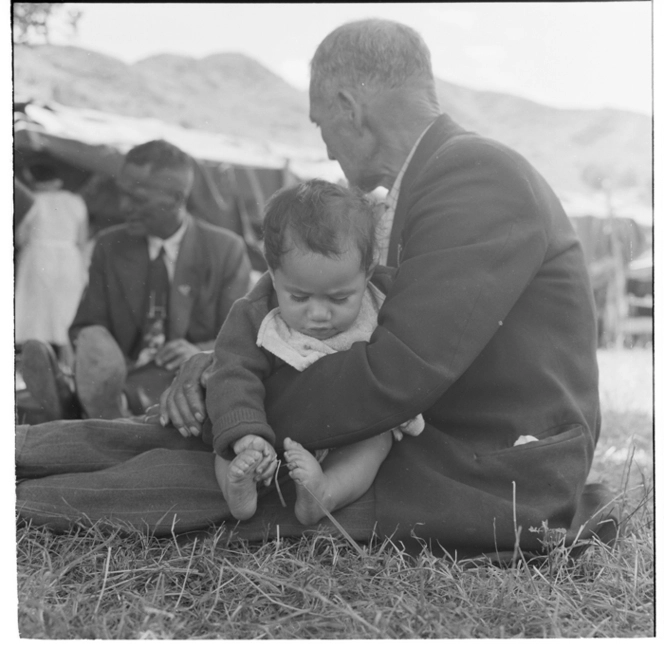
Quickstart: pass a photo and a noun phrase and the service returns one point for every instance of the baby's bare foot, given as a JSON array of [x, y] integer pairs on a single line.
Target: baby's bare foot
[[240, 492], [311, 484], [268, 462]]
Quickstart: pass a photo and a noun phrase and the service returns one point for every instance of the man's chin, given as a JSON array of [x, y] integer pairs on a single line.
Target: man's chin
[[367, 185], [136, 229]]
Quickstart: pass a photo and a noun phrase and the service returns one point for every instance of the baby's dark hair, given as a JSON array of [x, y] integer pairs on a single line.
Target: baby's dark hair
[[322, 217]]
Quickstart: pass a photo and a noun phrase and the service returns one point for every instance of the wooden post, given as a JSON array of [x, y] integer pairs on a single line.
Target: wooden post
[[618, 287]]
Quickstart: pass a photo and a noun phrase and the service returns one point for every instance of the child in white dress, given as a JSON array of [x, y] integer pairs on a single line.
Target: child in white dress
[[51, 269]]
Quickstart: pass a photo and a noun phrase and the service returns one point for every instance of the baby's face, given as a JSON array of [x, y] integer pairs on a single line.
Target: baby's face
[[320, 296]]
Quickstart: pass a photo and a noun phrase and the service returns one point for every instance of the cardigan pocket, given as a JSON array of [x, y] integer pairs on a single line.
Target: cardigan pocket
[[566, 433], [552, 469]]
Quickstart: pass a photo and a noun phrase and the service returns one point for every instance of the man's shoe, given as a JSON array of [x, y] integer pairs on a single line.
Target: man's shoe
[[45, 380], [100, 372]]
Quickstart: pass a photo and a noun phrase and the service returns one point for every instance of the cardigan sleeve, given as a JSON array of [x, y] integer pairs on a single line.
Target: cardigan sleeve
[[235, 394], [472, 244]]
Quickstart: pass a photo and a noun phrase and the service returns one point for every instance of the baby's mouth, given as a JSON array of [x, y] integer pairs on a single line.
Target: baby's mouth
[[321, 333]]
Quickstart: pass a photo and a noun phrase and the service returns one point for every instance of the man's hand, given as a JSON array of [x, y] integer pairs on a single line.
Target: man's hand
[[183, 403], [174, 353]]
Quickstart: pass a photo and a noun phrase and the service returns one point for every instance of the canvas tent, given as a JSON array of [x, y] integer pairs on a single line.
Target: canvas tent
[[233, 176]]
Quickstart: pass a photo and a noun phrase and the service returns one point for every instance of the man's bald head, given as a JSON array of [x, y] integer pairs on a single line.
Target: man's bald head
[[374, 55]]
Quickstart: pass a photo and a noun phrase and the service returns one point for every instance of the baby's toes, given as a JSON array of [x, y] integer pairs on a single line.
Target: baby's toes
[[293, 458], [292, 446], [266, 470], [297, 472], [245, 463]]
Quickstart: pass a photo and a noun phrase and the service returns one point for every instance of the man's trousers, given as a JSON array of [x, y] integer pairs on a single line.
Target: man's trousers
[[148, 478]]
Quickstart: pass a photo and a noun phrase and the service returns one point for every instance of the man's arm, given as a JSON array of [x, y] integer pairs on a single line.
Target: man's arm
[[93, 307], [175, 352], [473, 244], [230, 282]]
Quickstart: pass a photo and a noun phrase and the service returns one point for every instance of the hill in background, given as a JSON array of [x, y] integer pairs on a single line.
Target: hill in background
[[233, 94]]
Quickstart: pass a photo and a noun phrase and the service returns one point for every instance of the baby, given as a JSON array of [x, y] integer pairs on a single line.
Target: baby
[[317, 298]]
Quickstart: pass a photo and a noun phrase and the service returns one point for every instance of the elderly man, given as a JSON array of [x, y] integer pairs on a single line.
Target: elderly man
[[489, 330], [160, 287]]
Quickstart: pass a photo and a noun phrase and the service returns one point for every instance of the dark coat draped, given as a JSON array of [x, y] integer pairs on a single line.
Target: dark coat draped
[[489, 330]]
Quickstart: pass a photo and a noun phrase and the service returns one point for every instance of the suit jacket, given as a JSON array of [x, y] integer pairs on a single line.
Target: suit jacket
[[489, 330], [211, 272]]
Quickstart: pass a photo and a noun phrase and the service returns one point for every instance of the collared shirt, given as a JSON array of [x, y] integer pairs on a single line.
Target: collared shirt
[[384, 229], [171, 247]]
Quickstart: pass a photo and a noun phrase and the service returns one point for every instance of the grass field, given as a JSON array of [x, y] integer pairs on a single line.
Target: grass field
[[101, 585]]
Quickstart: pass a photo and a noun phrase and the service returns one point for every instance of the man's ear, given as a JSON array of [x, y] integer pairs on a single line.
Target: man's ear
[[351, 107]]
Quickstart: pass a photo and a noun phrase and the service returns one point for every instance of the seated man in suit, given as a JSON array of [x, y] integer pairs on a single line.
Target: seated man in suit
[[160, 287]]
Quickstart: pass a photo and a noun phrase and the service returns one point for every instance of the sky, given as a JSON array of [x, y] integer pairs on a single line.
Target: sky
[[564, 54]]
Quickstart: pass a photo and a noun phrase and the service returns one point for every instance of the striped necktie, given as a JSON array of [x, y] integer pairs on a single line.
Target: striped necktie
[[155, 327]]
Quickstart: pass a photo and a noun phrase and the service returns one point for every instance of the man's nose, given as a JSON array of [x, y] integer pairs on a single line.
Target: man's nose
[[126, 205]]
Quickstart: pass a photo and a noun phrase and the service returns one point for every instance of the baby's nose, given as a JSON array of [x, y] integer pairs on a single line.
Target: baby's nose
[[319, 312]]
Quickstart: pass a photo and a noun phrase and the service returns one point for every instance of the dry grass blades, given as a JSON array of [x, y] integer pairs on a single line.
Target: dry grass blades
[[101, 584]]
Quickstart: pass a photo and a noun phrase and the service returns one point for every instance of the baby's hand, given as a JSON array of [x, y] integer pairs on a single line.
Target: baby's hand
[[268, 464], [413, 427]]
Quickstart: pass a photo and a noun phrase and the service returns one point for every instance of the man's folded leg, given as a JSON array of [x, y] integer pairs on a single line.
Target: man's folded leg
[[60, 447], [46, 382], [147, 477], [162, 492], [100, 372], [159, 491]]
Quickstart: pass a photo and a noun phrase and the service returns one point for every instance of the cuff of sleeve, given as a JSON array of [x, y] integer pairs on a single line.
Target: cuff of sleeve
[[227, 430]]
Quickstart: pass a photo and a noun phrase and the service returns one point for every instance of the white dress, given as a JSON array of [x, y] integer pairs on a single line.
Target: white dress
[[52, 271]]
